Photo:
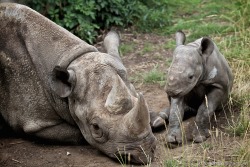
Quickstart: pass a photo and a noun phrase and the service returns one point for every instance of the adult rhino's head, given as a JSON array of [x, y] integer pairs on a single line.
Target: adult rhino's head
[[187, 66], [105, 106]]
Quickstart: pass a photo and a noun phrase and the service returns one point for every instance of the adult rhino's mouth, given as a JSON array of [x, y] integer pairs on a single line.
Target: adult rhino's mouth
[[141, 152]]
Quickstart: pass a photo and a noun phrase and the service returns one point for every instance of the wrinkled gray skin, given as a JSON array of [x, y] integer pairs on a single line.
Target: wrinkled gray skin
[[57, 87], [199, 79]]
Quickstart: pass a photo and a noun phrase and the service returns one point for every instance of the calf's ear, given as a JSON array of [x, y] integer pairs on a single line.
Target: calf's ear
[[62, 81], [206, 47]]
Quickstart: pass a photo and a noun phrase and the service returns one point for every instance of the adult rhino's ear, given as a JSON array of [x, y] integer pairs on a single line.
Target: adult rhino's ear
[[206, 47], [111, 44], [180, 38], [62, 81]]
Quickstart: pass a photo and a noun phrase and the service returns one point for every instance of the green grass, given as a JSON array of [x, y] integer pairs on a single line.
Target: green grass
[[154, 76], [148, 47], [127, 48], [170, 44], [243, 154], [171, 163]]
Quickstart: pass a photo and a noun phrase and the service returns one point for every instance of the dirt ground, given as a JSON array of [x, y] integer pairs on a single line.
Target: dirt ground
[[16, 151]]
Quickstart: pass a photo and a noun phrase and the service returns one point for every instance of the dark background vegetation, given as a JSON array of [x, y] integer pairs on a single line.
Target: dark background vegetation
[[86, 18]]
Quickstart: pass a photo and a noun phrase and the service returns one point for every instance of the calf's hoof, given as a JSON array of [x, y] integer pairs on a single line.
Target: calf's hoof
[[200, 136], [199, 139], [174, 136]]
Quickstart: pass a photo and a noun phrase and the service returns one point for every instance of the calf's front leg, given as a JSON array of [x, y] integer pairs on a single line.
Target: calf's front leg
[[175, 120], [206, 110]]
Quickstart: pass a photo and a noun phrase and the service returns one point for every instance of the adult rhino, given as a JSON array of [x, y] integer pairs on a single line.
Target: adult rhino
[[55, 86]]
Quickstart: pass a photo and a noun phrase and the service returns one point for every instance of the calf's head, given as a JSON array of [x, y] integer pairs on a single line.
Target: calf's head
[[105, 106], [186, 69]]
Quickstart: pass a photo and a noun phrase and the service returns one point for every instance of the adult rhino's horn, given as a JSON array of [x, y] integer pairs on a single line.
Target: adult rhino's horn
[[138, 118], [119, 99]]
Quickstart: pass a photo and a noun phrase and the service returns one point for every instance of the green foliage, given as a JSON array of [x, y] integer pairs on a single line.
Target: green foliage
[[73, 15], [85, 18], [155, 14], [116, 12]]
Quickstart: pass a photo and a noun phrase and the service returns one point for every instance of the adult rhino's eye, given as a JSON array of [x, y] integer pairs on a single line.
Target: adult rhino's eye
[[96, 127], [96, 131]]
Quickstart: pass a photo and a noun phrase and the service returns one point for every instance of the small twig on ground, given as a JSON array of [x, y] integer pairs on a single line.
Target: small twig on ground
[[18, 142], [16, 160]]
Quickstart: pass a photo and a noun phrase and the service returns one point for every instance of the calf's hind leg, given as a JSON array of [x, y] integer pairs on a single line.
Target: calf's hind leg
[[206, 110]]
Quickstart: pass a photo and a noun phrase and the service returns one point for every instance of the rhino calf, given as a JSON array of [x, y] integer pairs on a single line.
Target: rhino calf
[[56, 87], [199, 80]]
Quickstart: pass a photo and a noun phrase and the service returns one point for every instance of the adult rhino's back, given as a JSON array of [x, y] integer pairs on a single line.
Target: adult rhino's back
[[23, 91], [30, 47]]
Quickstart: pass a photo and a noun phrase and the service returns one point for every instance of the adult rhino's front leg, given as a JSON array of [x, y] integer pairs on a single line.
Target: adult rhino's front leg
[[206, 110], [158, 119], [62, 132], [175, 119]]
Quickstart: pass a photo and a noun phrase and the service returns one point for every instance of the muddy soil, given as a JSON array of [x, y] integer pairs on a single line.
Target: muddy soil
[[16, 151]]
